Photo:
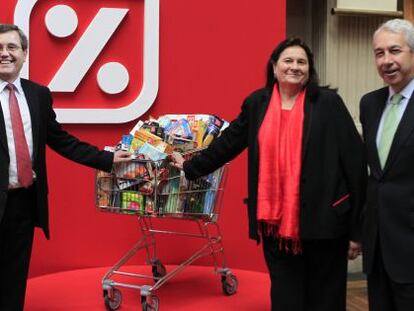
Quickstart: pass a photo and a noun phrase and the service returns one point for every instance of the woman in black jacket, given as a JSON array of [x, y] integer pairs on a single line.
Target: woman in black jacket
[[306, 179]]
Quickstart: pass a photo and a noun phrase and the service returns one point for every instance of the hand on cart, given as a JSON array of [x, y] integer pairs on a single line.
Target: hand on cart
[[122, 156], [177, 160]]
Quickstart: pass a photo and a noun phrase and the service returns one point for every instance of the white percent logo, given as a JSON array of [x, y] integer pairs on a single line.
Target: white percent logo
[[61, 21]]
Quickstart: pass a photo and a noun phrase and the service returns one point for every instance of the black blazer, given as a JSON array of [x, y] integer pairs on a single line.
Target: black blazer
[[333, 164], [46, 131], [389, 210]]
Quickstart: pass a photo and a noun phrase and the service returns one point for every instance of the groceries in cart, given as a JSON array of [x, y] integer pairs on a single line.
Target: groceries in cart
[[156, 138], [149, 185]]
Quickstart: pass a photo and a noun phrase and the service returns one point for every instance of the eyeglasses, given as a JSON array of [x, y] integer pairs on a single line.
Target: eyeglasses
[[10, 48]]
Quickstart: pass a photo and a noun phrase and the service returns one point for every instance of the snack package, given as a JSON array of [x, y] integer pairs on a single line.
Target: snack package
[[180, 128], [152, 152], [132, 201], [126, 142], [104, 189], [214, 182]]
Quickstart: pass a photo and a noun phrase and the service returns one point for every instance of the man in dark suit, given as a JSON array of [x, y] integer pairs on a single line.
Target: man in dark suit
[[387, 117], [27, 124]]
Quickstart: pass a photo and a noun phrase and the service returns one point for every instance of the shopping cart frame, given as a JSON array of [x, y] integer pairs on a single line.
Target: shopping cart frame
[[208, 230]]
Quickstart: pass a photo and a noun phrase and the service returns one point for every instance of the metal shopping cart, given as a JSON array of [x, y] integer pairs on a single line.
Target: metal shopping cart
[[154, 189]]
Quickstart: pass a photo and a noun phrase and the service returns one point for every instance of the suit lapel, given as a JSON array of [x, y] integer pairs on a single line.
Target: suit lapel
[[377, 106], [263, 108], [33, 103], [261, 111], [404, 130], [3, 137], [306, 124]]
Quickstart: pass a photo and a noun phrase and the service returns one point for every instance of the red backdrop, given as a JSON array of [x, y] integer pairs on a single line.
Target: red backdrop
[[212, 54]]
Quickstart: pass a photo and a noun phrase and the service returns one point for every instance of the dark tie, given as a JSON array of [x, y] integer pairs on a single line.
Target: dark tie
[[24, 163]]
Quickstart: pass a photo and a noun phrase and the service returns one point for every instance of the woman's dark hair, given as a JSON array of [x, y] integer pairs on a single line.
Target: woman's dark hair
[[289, 42]]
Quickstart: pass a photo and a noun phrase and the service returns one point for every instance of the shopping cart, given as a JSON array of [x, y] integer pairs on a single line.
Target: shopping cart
[[154, 189]]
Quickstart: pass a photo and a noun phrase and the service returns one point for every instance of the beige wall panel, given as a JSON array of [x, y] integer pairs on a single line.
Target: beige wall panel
[[380, 5], [341, 45], [349, 58]]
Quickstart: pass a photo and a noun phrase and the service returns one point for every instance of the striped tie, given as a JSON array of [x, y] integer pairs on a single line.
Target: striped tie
[[389, 128]]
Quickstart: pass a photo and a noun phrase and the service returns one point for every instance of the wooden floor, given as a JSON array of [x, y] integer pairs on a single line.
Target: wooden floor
[[357, 296]]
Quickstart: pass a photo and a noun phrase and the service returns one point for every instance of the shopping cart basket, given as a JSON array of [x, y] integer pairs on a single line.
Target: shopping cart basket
[[154, 189]]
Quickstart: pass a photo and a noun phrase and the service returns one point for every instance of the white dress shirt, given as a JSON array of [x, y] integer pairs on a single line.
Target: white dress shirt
[[27, 125], [406, 93]]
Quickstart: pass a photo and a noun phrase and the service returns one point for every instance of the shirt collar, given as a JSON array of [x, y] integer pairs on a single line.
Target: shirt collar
[[17, 83], [407, 91]]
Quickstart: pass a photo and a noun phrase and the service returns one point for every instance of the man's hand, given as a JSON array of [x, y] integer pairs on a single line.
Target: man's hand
[[354, 250], [122, 156]]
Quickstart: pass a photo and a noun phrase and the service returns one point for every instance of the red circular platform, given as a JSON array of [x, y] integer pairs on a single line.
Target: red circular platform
[[195, 288]]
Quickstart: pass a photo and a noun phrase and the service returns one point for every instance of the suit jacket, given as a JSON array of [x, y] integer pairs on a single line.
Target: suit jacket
[[389, 210], [46, 131], [333, 163]]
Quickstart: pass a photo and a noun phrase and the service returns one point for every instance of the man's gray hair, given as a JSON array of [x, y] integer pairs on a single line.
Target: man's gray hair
[[398, 25]]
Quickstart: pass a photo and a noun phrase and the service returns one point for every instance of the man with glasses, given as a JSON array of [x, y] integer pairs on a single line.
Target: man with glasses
[[27, 124]]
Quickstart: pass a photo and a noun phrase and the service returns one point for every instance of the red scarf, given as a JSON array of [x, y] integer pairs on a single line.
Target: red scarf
[[279, 172]]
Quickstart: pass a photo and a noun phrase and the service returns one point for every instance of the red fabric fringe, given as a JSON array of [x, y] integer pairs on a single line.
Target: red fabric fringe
[[288, 245]]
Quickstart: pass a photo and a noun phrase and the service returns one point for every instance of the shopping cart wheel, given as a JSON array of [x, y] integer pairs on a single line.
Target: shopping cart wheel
[[158, 269], [229, 284], [114, 302], [150, 306]]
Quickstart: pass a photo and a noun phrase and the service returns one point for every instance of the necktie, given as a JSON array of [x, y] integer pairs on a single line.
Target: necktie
[[23, 161], [389, 127]]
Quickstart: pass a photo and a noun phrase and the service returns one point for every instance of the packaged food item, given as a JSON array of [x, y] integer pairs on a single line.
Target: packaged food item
[[194, 203], [146, 188], [126, 142], [154, 128], [181, 144], [152, 152], [135, 144], [180, 128], [164, 147], [146, 137], [132, 201], [136, 127], [149, 205], [216, 121], [164, 122], [104, 189], [211, 133], [213, 181], [132, 170], [200, 131], [213, 130]]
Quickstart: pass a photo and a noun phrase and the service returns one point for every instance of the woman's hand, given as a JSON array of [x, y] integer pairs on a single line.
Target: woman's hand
[[354, 250], [177, 160]]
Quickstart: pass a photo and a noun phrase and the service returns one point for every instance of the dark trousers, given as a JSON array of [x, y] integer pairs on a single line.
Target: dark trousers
[[384, 294], [16, 239], [314, 280]]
